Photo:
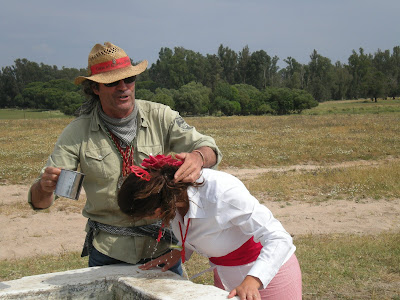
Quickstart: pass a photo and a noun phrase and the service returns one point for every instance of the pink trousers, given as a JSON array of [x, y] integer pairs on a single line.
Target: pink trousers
[[286, 285]]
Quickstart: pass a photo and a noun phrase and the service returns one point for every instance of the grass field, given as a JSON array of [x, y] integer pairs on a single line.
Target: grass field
[[337, 266], [30, 114]]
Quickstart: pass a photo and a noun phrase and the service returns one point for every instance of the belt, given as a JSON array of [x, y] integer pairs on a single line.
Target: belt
[[151, 230]]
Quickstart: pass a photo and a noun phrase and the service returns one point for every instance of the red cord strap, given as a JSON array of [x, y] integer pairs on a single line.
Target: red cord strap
[[183, 240]]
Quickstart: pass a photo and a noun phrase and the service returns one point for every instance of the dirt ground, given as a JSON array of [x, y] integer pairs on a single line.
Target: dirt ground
[[25, 232]]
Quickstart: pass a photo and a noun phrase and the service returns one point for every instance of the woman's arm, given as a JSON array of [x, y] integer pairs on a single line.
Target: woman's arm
[[168, 260], [243, 210]]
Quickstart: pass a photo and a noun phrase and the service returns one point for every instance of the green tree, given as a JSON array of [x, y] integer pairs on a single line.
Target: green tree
[[192, 99], [302, 100], [281, 101], [213, 71], [273, 78], [144, 94], [9, 87], [165, 97], [196, 66], [258, 70], [25, 72], [176, 68], [386, 69], [320, 77], [228, 60], [148, 85], [243, 65], [65, 73], [225, 98], [377, 85], [341, 82], [293, 74], [359, 66], [50, 95], [226, 106], [70, 102], [226, 91], [394, 79], [249, 98], [159, 72], [264, 103]]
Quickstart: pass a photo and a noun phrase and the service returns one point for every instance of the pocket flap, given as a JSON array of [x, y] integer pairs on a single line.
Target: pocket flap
[[98, 154], [150, 150]]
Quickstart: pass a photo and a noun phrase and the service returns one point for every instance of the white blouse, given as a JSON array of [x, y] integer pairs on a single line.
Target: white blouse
[[224, 215]]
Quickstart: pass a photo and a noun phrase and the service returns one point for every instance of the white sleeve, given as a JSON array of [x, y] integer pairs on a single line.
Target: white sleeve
[[257, 220]]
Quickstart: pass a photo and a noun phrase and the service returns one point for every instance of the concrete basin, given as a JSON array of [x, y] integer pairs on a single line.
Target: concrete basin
[[108, 282]]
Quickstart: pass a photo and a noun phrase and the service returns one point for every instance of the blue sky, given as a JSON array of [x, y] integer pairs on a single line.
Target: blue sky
[[62, 33]]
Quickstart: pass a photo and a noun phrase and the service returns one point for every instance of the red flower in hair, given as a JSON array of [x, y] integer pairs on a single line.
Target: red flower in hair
[[159, 161], [141, 173]]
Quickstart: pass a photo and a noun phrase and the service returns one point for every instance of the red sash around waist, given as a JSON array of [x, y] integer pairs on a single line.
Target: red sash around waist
[[245, 254]]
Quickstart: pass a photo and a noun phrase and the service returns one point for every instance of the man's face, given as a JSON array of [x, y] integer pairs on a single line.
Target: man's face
[[117, 101]]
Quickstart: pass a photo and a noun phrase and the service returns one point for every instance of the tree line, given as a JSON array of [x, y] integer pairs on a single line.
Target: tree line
[[225, 83]]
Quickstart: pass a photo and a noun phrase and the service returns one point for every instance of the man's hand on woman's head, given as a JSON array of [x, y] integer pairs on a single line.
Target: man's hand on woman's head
[[190, 170]]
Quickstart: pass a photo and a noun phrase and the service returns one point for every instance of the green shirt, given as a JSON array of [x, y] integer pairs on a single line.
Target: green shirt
[[84, 143]]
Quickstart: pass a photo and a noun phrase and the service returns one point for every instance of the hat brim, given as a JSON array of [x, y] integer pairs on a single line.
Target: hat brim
[[114, 75]]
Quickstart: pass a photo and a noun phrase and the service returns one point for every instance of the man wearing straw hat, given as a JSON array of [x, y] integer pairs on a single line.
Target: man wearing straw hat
[[113, 132]]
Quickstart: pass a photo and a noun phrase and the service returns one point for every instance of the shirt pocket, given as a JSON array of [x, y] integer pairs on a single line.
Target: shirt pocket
[[101, 162], [146, 151]]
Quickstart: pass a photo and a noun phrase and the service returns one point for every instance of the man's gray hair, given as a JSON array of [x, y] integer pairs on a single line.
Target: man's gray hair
[[91, 98]]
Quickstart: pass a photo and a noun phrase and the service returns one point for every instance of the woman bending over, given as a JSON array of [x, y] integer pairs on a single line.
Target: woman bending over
[[217, 217]]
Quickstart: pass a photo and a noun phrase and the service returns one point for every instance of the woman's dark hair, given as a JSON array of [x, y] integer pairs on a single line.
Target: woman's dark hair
[[139, 198]]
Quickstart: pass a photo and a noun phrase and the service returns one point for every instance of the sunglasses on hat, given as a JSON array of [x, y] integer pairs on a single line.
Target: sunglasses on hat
[[126, 80]]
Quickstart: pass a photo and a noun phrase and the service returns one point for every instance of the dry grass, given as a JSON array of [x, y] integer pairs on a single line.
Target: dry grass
[[25, 146], [376, 181], [244, 141], [362, 106], [23, 209], [337, 266], [350, 266], [259, 141], [14, 269], [329, 137], [340, 266]]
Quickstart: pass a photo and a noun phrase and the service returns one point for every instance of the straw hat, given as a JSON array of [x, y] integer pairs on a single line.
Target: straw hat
[[110, 63]]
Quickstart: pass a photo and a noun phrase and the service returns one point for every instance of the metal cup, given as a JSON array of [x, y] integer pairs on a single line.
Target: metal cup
[[69, 184]]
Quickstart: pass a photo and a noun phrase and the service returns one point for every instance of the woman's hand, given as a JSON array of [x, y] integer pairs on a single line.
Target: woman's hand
[[248, 289], [168, 260]]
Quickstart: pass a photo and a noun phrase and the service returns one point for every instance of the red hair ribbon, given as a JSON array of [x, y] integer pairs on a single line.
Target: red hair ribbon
[[141, 173], [159, 161]]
